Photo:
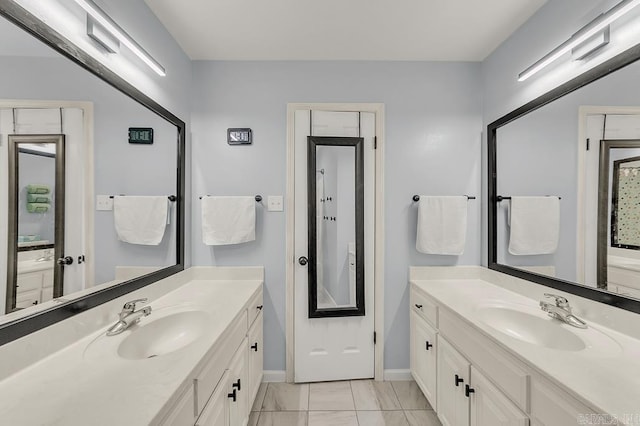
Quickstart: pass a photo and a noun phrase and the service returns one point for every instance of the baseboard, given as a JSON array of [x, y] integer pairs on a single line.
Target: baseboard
[[273, 376], [401, 375], [279, 376]]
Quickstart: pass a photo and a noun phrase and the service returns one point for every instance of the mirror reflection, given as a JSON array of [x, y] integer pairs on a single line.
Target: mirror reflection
[[336, 226], [577, 151], [36, 187], [625, 205], [106, 217]]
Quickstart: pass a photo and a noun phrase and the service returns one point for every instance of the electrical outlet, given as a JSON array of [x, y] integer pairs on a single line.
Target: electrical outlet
[[104, 202], [275, 203]]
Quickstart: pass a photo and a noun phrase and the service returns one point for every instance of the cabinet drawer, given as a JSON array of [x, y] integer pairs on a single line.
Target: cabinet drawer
[[551, 406], [255, 307], [24, 299], [505, 371], [29, 281], [216, 413], [212, 372], [47, 294], [423, 306], [182, 412], [622, 276]]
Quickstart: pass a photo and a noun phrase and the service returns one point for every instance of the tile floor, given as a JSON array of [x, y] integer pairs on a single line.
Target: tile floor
[[347, 403]]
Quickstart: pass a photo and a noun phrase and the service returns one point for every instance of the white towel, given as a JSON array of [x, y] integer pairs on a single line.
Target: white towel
[[535, 225], [442, 225], [228, 220], [140, 220]]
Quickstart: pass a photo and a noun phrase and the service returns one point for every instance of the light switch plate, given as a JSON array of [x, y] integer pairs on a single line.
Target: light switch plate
[[104, 203], [274, 203]]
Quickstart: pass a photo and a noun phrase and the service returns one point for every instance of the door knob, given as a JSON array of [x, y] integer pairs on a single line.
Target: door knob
[[303, 260], [67, 260]]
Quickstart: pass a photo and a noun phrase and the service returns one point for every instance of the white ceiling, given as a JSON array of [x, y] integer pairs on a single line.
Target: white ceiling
[[420, 30]]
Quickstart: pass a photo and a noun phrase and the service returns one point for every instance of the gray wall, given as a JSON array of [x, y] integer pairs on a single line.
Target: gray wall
[[433, 124]]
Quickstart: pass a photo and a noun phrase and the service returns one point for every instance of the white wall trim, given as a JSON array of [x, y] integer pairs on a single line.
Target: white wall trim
[[401, 375], [273, 376], [378, 110], [88, 122], [583, 113]]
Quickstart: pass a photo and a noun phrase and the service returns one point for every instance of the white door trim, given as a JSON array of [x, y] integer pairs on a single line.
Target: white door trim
[[378, 110], [87, 109], [583, 113]]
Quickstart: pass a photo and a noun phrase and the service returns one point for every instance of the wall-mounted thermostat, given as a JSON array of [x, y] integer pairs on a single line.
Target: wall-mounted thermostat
[[239, 136]]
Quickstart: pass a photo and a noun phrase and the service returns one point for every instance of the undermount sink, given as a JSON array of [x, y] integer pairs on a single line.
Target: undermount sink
[[531, 328], [169, 331]]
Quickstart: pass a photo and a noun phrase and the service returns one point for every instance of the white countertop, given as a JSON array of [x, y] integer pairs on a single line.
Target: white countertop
[[74, 387], [605, 376]]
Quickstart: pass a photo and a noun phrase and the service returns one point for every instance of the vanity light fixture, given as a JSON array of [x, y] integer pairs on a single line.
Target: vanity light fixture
[[593, 28], [112, 27]]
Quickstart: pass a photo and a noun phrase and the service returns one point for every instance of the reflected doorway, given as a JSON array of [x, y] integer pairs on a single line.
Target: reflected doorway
[[36, 204]]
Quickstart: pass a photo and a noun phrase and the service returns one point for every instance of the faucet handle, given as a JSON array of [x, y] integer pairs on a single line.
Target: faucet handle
[[561, 302], [131, 305]]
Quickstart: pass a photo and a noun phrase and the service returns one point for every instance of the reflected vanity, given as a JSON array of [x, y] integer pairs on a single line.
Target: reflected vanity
[[58, 244], [563, 145]]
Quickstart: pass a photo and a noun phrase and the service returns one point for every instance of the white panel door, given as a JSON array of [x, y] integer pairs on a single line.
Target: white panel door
[[490, 407], [453, 374], [423, 357], [334, 348]]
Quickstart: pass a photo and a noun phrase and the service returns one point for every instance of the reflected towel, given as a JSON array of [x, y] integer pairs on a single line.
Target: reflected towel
[[442, 225], [535, 225], [37, 207], [38, 198], [37, 189], [140, 219], [228, 220]]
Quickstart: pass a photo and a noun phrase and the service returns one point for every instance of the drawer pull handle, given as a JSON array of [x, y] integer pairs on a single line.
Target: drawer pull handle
[[259, 307], [418, 306], [459, 380], [255, 346], [237, 385], [428, 345], [232, 395], [468, 390]]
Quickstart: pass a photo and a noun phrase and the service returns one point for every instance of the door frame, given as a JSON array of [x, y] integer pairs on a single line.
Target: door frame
[[88, 211], [378, 110]]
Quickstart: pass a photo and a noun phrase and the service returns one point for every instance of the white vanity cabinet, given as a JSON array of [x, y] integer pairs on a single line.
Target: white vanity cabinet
[[470, 380], [225, 386], [424, 356], [453, 374]]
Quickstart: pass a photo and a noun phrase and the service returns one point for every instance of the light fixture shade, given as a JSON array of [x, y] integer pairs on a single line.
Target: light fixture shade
[[584, 34], [101, 36], [111, 26], [591, 46]]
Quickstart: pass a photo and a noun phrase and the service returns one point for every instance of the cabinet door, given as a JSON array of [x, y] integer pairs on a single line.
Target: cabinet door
[[182, 413], [256, 354], [238, 387], [453, 374], [423, 357], [216, 412], [489, 406]]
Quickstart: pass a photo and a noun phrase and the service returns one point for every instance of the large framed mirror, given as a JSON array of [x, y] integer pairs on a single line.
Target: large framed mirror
[[73, 172], [562, 154], [336, 226]]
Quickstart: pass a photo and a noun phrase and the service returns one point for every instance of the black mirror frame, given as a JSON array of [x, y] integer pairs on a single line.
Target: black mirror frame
[[617, 62], [23, 326], [357, 144]]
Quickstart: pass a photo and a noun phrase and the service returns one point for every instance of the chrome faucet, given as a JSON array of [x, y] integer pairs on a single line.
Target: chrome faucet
[[129, 316], [561, 311]]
